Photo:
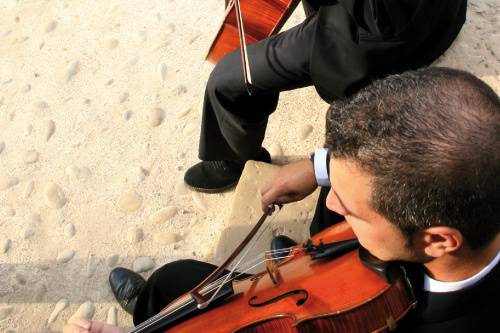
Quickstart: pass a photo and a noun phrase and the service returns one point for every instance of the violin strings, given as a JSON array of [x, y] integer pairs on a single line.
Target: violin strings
[[217, 284], [186, 300], [261, 232]]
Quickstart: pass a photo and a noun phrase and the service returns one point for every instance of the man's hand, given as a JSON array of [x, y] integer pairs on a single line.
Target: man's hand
[[82, 325], [293, 182]]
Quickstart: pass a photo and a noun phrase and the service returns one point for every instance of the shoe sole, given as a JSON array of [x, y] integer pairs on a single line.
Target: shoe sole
[[211, 190]]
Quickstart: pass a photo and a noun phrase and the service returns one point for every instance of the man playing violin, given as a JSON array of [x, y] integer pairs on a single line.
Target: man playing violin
[[341, 46], [414, 168]]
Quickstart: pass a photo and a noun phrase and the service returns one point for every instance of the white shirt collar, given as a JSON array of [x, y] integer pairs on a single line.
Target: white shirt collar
[[436, 286]]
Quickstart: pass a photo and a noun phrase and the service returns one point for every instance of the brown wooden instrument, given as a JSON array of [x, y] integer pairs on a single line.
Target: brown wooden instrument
[[314, 290], [261, 19]]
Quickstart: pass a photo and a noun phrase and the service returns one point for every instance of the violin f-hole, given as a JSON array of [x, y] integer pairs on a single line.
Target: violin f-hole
[[301, 300]]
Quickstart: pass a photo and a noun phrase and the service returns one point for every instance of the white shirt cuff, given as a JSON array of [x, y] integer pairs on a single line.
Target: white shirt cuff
[[320, 167]]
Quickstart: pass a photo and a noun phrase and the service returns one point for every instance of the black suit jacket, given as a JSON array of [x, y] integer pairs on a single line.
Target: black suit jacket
[[470, 310], [358, 40]]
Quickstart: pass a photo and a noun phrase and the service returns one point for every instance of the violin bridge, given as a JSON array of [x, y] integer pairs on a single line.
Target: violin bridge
[[273, 270]]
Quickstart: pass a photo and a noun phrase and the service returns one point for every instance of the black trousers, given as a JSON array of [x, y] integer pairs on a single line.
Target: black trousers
[[234, 122], [176, 278]]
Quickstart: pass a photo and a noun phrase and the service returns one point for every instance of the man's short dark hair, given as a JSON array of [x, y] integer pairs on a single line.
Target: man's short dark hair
[[431, 140]]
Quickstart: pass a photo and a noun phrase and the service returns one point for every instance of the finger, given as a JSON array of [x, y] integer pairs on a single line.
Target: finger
[[98, 327], [268, 198], [81, 321], [73, 328]]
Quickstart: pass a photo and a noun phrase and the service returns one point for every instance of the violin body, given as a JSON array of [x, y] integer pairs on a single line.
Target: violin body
[[261, 19], [337, 295]]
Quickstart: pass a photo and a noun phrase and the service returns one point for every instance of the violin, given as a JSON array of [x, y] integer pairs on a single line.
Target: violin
[[328, 284]]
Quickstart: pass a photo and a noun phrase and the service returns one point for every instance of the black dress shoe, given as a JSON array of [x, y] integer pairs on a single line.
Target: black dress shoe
[[217, 176], [126, 286], [282, 243]]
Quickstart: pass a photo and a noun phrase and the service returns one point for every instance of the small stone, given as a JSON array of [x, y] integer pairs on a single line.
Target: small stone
[[51, 26], [140, 37], [180, 90], [91, 266], [85, 172], [27, 233], [143, 264], [134, 235], [5, 245], [112, 260], [58, 308], [71, 70], [41, 105], [305, 130], [65, 256], [28, 129], [167, 238], [28, 189], [69, 230], [112, 317], [26, 88], [155, 117], [44, 266], [182, 114], [123, 97], [53, 196], [127, 114], [5, 311], [113, 44], [130, 63], [31, 156], [7, 181], [141, 174], [198, 200], [2, 146], [35, 218], [72, 171], [163, 214], [40, 292], [50, 128], [130, 201], [9, 212], [162, 72], [21, 279]]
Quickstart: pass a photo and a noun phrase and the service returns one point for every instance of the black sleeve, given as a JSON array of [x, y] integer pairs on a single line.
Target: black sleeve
[[382, 17]]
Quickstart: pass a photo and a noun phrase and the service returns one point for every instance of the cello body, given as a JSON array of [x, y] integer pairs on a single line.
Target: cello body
[[324, 295], [261, 19]]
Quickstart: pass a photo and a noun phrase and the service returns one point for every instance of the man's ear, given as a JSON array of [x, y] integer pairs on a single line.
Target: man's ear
[[441, 240]]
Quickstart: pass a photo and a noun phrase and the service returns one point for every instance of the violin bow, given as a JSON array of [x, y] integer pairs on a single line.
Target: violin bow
[[203, 301], [243, 48]]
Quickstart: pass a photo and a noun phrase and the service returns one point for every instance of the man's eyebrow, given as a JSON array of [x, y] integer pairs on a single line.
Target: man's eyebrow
[[343, 205]]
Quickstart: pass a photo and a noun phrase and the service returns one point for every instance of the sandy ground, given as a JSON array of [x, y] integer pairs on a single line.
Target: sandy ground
[[99, 119]]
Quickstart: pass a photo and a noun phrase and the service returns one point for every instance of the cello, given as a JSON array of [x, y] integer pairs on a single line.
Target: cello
[[246, 22], [328, 284]]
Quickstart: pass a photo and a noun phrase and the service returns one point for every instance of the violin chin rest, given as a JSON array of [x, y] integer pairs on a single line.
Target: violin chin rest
[[389, 271]]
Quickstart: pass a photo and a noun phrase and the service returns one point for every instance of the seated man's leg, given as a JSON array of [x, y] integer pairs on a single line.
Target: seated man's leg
[[168, 283], [234, 122]]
